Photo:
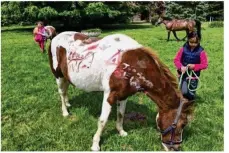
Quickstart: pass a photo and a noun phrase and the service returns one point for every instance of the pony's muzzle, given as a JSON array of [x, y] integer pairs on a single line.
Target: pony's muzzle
[[167, 147]]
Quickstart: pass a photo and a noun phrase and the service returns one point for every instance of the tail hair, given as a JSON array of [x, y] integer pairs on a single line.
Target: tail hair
[[198, 26]]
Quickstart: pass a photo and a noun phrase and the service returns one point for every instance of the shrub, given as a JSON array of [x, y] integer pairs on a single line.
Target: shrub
[[216, 24], [154, 20]]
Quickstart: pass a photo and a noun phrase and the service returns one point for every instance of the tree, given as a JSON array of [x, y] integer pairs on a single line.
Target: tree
[[216, 10], [11, 13], [200, 10]]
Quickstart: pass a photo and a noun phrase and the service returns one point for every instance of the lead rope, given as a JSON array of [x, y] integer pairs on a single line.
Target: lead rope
[[189, 80]]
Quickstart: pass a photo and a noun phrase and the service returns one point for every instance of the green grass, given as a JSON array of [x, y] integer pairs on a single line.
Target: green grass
[[31, 118]]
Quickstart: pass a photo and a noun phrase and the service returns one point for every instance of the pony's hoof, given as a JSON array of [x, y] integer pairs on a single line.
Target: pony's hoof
[[123, 133], [95, 148], [65, 114]]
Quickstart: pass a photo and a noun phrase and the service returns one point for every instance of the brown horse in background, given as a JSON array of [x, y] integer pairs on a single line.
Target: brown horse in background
[[180, 25]]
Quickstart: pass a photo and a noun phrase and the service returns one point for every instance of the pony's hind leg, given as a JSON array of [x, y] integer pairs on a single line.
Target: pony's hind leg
[[62, 89], [121, 106], [106, 109]]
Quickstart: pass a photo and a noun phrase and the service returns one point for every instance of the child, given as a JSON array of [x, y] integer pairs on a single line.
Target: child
[[190, 57], [40, 35]]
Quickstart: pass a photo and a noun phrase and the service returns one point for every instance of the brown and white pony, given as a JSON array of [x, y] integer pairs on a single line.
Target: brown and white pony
[[50, 32], [120, 67]]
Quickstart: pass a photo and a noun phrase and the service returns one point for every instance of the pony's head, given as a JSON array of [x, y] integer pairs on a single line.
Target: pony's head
[[174, 110], [171, 123], [159, 21]]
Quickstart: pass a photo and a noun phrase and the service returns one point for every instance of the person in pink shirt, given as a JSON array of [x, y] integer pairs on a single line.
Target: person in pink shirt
[[39, 35], [191, 56]]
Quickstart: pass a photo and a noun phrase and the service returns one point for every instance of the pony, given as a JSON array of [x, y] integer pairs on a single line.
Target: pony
[[119, 66], [180, 25], [50, 32]]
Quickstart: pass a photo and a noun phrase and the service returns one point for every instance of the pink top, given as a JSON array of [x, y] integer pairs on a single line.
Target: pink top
[[203, 60], [39, 37]]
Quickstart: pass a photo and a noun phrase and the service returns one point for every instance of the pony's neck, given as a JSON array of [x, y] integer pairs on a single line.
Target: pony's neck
[[165, 97], [165, 22]]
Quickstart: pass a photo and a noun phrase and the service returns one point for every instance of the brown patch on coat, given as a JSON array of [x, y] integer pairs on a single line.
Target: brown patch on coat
[[85, 39], [164, 92], [80, 36], [62, 68], [158, 73]]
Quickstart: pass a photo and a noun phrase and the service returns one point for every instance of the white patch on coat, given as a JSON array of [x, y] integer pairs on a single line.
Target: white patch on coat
[[48, 28], [141, 64], [157, 117], [125, 65], [147, 82], [95, 78], [165, 147]]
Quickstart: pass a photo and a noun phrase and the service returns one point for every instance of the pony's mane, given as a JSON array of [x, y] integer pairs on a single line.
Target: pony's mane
[[163, 69], [167, 18]]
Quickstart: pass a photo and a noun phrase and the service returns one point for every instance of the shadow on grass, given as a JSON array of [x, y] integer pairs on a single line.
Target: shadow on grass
[[93, 102], [173, 39]]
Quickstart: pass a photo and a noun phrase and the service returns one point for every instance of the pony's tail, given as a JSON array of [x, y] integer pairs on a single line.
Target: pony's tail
[[198, 26]]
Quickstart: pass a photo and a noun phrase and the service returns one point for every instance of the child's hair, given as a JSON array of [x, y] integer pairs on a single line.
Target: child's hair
[[193, 36], [40, 22]]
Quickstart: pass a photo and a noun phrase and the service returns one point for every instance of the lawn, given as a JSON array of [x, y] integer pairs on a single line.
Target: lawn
[[31, 118]]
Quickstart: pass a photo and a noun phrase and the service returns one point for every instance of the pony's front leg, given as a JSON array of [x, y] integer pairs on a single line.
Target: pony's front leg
[[175, 35], [121, 106], [168, 35], [106, 109], [187, 32], [62, 89]]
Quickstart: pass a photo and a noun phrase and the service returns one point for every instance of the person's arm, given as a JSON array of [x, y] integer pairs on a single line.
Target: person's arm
[[35, 31], [177, 59], [203, 62]]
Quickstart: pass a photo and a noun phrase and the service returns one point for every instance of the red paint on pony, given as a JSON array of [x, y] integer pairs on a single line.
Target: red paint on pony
[[114, 59], [92, 47]]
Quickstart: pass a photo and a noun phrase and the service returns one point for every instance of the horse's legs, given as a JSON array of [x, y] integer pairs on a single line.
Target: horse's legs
[[175, 35], [168, 35], [62, 89], [106, 109], [121, 106], [187, 32]]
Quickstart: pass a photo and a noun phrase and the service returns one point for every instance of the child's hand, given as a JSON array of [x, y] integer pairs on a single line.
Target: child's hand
[[191, 66], [183, 69]]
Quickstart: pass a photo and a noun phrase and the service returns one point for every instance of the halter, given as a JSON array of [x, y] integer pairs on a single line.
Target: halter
[[172, 128]]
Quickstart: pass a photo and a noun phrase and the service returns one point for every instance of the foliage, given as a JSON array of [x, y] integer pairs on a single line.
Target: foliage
[[200, 10], [191, 10], [73, 13], [31, 118], [154, 19], [31, 12], [93, 30], [47, 13], [216, 24], [10, 13]]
